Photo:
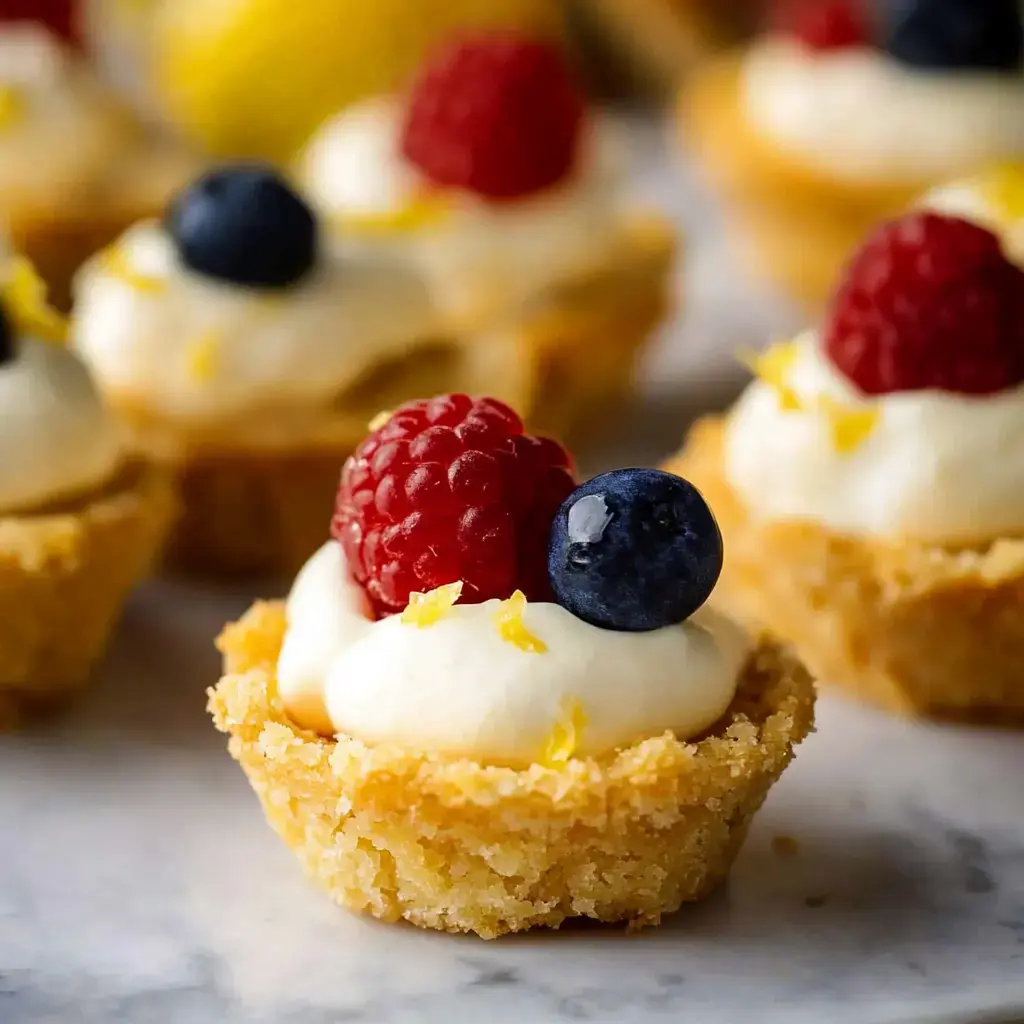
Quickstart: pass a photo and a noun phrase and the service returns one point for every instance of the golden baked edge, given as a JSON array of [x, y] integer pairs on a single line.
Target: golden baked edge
[[917, 629], [459, 847]]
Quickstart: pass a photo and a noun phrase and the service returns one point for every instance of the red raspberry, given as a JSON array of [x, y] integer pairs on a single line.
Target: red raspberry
[[930, 302], [451, 489], [824, 24], [498, 115], [60, 16]]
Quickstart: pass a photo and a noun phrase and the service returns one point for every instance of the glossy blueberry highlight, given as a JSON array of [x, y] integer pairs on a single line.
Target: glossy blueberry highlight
[[246, 226], [634, 550], [956, 34]]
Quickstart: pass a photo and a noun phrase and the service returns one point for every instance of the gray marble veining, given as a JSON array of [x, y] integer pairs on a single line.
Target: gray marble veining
[[139, 884]]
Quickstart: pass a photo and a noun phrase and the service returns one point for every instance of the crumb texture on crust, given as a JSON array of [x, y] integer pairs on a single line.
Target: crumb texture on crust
[[915, 628], [460, 847], [266, 510], [63, 579]]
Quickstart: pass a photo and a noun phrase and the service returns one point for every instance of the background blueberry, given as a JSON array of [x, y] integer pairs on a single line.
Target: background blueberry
[[939, 34], [245, 225], [635, 549], [7, 349]]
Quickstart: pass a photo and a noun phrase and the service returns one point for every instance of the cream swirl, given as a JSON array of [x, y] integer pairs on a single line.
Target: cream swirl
[[857, 114], [935, 467], [57, 439], [459, 689], [190, 348], [478, 256]]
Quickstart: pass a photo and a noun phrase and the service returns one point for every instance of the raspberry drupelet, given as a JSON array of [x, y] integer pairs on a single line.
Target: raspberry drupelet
[[451, 489], [823, 24], [499, 115], [930, 301]]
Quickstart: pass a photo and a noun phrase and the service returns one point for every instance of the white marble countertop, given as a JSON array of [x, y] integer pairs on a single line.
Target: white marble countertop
[[138, 882]]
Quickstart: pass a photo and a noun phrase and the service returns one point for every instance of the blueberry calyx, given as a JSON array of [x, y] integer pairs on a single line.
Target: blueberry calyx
[[244, 225], [634, 550], [956, 34]]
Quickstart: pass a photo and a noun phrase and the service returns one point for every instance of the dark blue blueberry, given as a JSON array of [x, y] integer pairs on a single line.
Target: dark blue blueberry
[[940, 34], [7, 349], [245, 225], [635, 549]]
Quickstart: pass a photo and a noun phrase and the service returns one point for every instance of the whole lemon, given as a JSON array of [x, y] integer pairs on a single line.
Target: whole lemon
[[255, 77]]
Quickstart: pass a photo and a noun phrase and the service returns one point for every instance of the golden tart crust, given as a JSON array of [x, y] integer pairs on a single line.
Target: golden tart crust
[[459, 847], [262, 505], [64, 575], [918, 629], [795, 223]]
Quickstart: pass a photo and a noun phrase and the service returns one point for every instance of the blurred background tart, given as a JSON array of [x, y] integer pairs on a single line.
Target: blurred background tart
[[76, 164], [513, 209], [841, 115]]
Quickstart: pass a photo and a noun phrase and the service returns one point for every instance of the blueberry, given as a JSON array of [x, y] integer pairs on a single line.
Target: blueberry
[[244, 224], [7, 349], [634, 550], [938, 34]]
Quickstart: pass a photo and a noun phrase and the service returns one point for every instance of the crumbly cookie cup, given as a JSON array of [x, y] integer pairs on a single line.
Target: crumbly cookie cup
[[459, 847], [64, 576], [917, 629], [796, 224], [262, 507]]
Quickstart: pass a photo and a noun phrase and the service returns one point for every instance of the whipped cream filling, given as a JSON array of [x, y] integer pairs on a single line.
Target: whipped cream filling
[[859, 115], [57, 439], [57, 127], [934, 467], [458, 688], [477, 256], [186, 347]]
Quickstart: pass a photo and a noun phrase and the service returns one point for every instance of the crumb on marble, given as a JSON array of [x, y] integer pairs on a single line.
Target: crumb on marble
[[785, 846]]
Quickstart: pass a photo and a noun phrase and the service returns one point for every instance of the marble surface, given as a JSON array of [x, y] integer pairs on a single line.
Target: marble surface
[[138, 882]]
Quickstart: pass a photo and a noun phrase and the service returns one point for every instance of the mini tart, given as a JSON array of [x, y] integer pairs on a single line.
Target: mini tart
[[260, 506], [797, 225], [65, 572], [459, 847], [918, 629]]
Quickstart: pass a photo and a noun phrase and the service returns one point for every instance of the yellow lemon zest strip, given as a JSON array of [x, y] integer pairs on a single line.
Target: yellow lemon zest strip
[[849, 426], [422, 211], [24, 297], [565, 736], [114, 261], [426, 609], [773, 366], [1003, 188], [509, 620], [379, 420], [12, 103], [202, 356]]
